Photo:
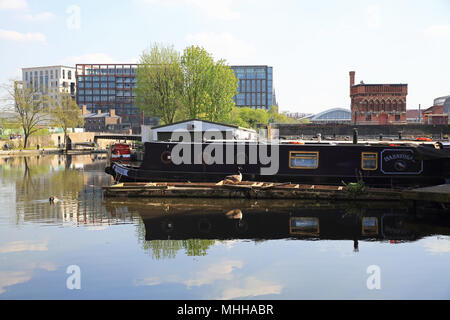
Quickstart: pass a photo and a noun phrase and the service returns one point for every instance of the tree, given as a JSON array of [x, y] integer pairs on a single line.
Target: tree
[[222, 87], [160, 83], [252, 118], [196, 64], [277, 117], [209, 87], [65, 113], [30, 107], [249, 117]]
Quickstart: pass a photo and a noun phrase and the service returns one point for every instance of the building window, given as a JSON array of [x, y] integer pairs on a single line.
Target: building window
[[368, 117], [369, 161], [64, 74], [304, 160], [397, 117], [69, 75]]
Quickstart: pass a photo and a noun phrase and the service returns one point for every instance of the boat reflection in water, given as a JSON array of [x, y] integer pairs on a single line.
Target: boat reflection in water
[[266, 220]]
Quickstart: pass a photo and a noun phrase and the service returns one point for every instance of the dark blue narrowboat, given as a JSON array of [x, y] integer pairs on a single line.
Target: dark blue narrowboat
[[330, 163]]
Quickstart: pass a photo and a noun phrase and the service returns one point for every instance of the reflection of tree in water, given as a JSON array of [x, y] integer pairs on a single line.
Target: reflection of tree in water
[[168, 249], [38, 178], [39, 182]]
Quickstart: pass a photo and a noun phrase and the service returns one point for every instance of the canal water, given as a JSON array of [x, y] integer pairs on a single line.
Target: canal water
[[85, 246]]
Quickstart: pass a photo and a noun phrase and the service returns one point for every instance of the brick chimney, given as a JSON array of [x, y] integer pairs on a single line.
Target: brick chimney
[[84, 110], [352, 78]]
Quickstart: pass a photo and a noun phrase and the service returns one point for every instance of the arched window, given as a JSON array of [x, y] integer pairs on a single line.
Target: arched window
[[365, 105], [383, 105], [388, 106], [394, 105]]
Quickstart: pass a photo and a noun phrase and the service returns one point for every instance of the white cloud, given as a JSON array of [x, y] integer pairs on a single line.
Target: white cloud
[[13, 4], [11, 35], [10, 278], [438, 245], [45, 265], [438, 31], [40, 17], [152, 281], [223, 46], [252, 287], [220, 271], [26, 245]]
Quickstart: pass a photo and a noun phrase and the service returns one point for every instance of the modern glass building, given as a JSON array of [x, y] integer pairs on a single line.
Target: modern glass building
[[110, 86], [255, 87]]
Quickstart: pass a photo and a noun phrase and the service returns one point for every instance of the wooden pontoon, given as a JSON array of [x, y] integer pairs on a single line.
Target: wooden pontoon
[[249, 190]]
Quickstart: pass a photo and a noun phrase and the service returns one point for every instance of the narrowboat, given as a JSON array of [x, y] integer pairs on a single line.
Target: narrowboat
[[180, 219], [120, 152], [384, 164]]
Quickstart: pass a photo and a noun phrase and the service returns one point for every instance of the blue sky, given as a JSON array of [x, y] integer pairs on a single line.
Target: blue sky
[[312, 45]]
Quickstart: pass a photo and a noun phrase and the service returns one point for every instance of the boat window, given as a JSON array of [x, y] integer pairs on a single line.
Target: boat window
[[308, 226], [369, 161], [304, 160], [370, 226]]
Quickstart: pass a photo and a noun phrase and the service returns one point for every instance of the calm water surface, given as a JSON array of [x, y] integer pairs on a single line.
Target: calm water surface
[[206, 249]]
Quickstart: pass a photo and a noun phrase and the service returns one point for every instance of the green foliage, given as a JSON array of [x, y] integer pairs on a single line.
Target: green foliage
[[355, 187], [209, 87], [252, 118], [196, 64], [160, 83], [191, 86], [276, 117], [65, 112], [168, 249]]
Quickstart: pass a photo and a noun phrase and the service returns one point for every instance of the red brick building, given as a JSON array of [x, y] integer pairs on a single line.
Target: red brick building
[[378, 103], [435, 115], [438, 113]]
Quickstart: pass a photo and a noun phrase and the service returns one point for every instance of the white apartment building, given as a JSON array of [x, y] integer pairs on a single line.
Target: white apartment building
[[50, 79]]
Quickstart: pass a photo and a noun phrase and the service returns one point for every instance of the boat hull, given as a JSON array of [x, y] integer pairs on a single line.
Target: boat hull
[[329, 164]]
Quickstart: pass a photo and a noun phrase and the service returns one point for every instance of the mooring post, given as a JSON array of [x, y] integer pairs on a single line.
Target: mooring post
[[399, 135], [355, 135], [381, 137]]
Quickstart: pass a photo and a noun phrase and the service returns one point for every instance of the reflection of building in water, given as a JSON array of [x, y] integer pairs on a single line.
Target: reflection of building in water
[[84, 207]]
